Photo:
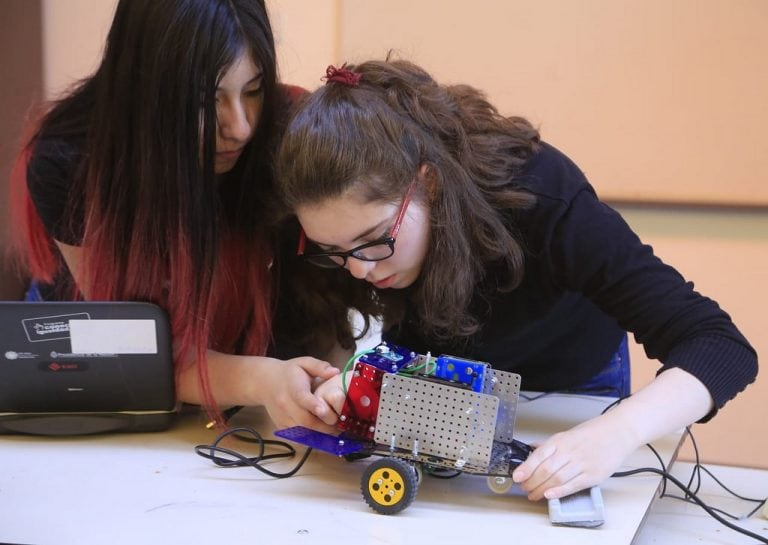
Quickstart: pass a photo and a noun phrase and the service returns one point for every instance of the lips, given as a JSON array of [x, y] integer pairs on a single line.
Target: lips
[[232, 154], [385, 283]]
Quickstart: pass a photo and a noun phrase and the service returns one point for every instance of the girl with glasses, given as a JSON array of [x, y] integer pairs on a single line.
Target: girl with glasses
[[468, 235], [149, 181]]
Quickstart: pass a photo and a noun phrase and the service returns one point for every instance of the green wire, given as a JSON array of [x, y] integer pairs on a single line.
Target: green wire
[[349, 363], [351, 360], [411, 370]]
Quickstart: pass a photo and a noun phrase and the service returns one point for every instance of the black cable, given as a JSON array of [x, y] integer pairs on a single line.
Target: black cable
[[695, 473], [534, 398], [731, 492], [663, 492], [233, 458], [225, 415], [689, 489], [698, 467], [693, 497]]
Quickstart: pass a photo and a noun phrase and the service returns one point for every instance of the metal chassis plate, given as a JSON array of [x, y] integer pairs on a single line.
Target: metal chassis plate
[[505, 386], [429, 418]]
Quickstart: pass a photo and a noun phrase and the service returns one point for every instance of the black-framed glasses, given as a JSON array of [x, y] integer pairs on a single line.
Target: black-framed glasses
[[376, 250]]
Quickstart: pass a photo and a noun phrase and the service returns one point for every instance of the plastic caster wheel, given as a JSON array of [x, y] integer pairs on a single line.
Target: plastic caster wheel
[[499, 484]]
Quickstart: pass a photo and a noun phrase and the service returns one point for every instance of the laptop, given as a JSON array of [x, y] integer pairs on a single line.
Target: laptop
[[70, 368]]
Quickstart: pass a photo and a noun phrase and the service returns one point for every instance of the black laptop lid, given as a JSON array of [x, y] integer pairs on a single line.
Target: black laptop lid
[[107, 358]]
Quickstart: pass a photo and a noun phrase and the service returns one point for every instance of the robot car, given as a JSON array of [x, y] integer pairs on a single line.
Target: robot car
[[418, 412]]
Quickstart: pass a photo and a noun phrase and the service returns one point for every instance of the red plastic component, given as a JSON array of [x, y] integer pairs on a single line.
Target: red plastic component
[[358, 416]]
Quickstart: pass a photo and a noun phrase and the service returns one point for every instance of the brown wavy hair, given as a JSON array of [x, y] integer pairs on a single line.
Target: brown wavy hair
[[374, 137]]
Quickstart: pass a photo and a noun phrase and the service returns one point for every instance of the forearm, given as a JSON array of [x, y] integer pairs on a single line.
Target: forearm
[[284, 388], [673, 400], [233, 379]]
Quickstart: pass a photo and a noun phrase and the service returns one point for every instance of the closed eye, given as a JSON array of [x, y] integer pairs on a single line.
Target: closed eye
[[255, 87], [360, 241]]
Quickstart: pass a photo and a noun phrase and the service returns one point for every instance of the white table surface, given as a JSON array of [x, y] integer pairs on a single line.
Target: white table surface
[[152, 488]]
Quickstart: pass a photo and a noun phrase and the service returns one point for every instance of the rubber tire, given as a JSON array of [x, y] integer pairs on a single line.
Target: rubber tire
[[389, 485]]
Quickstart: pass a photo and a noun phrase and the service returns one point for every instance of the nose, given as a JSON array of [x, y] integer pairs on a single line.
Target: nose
[[235, 122], [359, 268]]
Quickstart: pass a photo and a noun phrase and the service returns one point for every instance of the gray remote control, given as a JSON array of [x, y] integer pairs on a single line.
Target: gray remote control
[[583, 509]]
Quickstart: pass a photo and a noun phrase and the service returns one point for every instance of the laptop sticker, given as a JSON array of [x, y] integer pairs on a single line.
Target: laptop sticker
[[113, 336], [50, 328]]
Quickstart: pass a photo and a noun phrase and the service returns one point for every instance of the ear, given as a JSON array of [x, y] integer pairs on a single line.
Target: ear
[[428, 177]]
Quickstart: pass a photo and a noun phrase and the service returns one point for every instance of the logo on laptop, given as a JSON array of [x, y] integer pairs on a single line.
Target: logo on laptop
[[51, 328], [62, 366], [59, 367]]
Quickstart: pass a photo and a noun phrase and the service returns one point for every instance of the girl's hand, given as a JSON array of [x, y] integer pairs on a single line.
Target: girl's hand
[[573, 460], [332, 392], [288, 395], [589, 453]]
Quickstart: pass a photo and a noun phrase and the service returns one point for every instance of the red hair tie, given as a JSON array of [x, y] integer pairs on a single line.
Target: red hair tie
[[342, 75]]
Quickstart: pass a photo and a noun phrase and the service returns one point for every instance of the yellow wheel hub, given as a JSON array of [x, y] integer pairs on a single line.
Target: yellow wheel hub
[[386, 486]]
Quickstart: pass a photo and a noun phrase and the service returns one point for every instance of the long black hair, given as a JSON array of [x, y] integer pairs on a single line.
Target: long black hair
[[154, 221]]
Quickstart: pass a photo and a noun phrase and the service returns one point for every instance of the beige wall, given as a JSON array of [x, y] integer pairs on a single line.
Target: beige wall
[[73, 39], [306, 38], [655, 100], [74, 33], [658, 100], [21, 69]]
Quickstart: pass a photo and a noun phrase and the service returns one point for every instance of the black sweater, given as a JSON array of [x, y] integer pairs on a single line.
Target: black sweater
[[588, 279]]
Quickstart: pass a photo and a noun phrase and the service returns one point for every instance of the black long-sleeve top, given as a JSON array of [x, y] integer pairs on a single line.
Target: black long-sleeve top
[[588, 279]]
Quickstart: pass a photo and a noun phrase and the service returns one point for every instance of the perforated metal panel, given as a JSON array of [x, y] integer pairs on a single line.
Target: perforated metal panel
[[433, 418], [505, 386]]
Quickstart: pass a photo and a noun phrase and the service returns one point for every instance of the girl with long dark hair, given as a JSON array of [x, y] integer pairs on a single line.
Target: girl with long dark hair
[[150, 180]]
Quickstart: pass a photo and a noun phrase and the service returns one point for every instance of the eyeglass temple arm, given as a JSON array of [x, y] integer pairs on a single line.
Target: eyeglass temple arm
[[403, 208], [302, 243]]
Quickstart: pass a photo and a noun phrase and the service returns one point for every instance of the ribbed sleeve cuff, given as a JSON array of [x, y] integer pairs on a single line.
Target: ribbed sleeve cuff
[[723, 365]]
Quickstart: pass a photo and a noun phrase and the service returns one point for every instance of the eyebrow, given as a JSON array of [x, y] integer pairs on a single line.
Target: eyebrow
[[331, 247], [255, 79]]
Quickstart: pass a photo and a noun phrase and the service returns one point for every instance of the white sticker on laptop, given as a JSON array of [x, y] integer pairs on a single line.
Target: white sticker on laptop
[[113, 336]]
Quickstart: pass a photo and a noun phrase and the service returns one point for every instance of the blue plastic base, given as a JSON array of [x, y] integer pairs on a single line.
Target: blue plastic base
[[321, 441]]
